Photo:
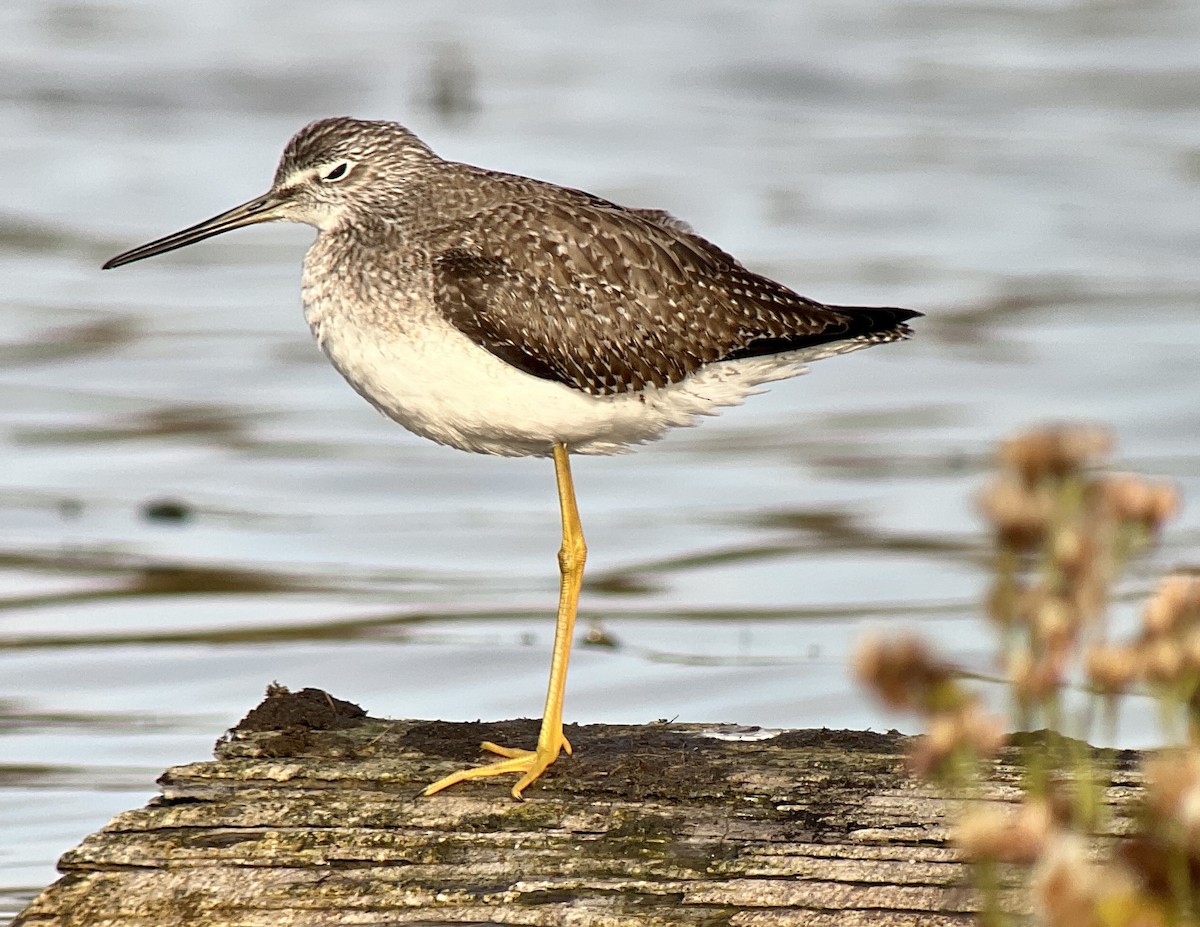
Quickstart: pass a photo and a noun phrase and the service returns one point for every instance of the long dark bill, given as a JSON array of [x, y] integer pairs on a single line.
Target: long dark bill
[[262, 209]]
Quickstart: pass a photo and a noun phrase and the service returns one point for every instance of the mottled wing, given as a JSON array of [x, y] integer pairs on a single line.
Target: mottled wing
[[673, 223], [609, 300]]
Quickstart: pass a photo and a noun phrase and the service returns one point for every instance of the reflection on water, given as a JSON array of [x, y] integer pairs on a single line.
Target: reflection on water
[[193, 505]]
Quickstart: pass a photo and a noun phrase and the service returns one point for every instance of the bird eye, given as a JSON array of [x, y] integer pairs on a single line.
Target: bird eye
[[337, 171]]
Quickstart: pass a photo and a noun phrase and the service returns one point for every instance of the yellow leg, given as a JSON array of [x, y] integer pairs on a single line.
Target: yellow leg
[[571, 557]]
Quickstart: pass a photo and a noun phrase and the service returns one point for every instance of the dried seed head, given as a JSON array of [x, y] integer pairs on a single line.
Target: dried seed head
[[1033, 679], [1019, 517], [944, 735], [904, 673], [1056, 623], [989, 833], [1066, 886], [1158, 617], [1054, 451], [1163, 660], [1126, 494], [961, 732], [982, 834], [931, 754], [1164, 504], [1112, 668], [985, 733], [1173, 794], [1174, 605], [1132, 498], [1183, 592]]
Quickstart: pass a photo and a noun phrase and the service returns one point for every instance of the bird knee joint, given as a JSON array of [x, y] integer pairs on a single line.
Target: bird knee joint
[[571, 556]]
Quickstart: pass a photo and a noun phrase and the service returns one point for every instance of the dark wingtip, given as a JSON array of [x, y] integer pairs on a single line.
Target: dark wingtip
[[900, 318], [868, 320], [862, 324], [883, 313]]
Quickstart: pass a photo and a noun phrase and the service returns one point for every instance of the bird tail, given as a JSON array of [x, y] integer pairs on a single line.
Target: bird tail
[[876, 323], [857, 327]]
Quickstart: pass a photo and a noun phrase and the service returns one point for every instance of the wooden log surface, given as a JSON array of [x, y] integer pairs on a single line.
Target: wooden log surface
[[308, 816]]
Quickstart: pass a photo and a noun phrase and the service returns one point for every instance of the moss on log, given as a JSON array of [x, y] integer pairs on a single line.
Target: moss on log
[[308, 816]]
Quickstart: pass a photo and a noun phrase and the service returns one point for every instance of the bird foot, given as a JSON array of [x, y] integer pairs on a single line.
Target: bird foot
[[530, 763]]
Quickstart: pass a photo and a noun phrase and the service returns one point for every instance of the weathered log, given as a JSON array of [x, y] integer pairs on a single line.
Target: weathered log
[[308, 816]]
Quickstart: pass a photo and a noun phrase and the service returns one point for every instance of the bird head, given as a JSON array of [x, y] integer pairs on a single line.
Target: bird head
[[330, 170]]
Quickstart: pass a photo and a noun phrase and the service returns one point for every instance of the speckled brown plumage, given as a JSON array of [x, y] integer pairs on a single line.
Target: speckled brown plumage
[[461, 301], [572, 288], [607, 301]]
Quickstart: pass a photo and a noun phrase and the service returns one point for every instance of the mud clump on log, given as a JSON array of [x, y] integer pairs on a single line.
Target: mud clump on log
[[302, 722]]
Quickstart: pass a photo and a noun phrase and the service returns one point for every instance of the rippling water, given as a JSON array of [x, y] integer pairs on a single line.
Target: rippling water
[[193, 505]]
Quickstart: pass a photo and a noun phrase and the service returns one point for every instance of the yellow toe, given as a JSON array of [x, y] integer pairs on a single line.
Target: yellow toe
[[530, 763]]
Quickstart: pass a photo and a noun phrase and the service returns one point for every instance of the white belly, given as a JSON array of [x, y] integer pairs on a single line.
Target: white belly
[[438, 384]]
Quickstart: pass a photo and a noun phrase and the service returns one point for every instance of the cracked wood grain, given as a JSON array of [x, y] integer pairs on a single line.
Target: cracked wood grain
[[307, 817]]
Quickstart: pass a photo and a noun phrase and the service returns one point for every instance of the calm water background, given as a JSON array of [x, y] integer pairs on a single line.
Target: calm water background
[[1027, 173]]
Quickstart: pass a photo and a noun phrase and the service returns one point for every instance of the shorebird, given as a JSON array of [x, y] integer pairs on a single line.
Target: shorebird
[[504, 315]]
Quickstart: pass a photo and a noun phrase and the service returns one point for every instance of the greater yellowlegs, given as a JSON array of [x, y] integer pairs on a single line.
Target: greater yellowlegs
[[504, 315]]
